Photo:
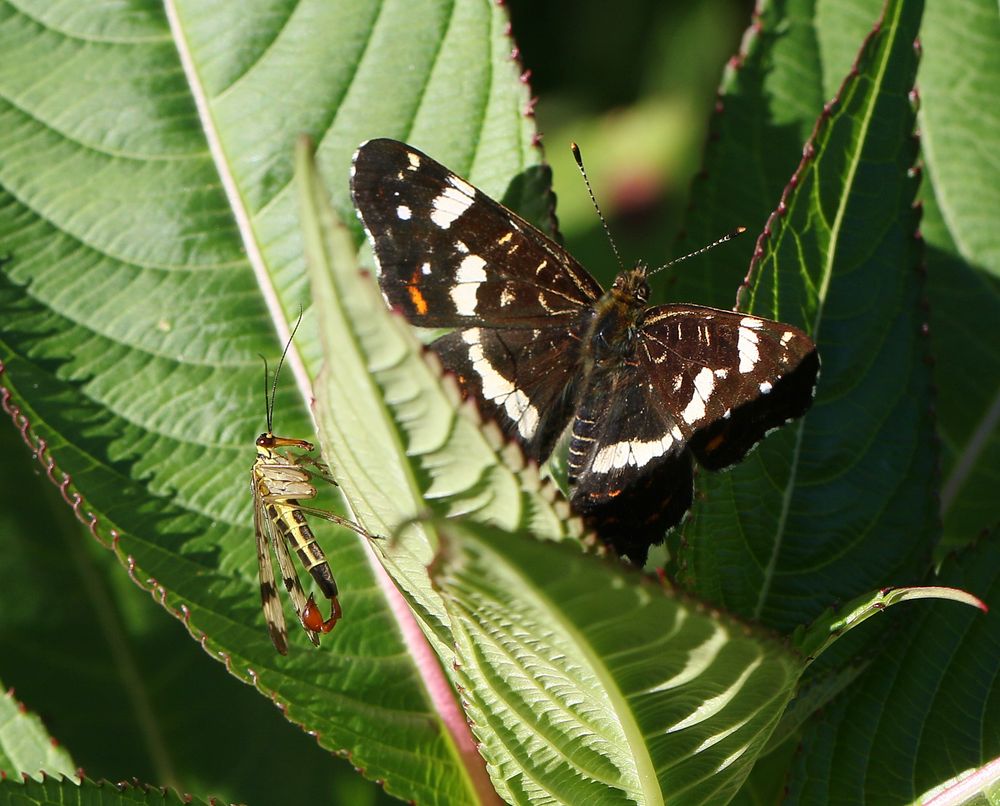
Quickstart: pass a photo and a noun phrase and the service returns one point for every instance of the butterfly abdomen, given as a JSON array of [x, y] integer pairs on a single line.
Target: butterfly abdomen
[[580, 444]]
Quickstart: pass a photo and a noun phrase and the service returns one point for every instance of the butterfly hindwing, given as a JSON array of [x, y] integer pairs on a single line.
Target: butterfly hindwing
[[628, 465], [619, 432], [523, 379], [450, 256], [634, 518]]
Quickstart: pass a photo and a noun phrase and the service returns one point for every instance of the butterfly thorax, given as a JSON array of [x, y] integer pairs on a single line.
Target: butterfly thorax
[[612, 333]]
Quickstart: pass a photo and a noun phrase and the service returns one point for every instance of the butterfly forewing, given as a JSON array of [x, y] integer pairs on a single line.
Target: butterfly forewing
[[694, 387], [450, 256]]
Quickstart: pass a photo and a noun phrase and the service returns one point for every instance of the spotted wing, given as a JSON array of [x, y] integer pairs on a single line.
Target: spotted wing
[[274, 617], [724, 378], [449, 256], [704, 383], [629, 470], [525, 380]]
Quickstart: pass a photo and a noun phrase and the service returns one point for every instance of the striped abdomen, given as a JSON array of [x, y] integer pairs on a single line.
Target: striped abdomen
[[292, 524]]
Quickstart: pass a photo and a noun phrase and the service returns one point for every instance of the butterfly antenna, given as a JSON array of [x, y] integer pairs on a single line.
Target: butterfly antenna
[[727, 237], [586, 180], [277, 370]]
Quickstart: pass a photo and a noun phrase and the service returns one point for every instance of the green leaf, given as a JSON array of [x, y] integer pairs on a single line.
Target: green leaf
[[89, 793], [926, 708], [967, 404], [815, 639], [792, 60], [154, 251], [959, 70], [380, 394], [960, 124], [840, 502], [25, 746], [979, 787], [121, 685], [588, 682], [151, 245]]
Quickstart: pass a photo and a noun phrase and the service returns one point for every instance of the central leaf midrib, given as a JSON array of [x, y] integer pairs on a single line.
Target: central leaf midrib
[[645, 770]]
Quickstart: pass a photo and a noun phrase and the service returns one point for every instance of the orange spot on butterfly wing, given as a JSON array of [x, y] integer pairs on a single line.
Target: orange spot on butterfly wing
[[413, 289], [716, 442], [419, 303]]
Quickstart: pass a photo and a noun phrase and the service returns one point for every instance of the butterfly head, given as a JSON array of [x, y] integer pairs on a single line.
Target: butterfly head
[[630, 287]]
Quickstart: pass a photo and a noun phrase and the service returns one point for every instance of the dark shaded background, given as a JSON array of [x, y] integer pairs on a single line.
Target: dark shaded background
[[634, 86]]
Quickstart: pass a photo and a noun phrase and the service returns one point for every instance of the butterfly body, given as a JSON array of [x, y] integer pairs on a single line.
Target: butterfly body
[[643, 390]]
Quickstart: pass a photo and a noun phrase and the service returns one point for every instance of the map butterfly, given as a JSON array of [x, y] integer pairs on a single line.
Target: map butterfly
[[646, 390]]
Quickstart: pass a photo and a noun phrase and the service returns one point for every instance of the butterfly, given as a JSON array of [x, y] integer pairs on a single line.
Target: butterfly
[[644, 390]]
